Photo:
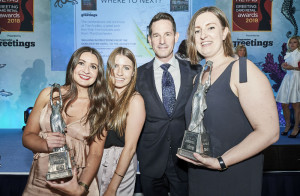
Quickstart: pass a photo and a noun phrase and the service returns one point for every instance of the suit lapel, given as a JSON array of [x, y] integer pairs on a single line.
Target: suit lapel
[[182, 89], [151, 81]]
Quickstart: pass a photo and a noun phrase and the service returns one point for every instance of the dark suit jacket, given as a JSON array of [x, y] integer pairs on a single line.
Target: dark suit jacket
[[160, 131]]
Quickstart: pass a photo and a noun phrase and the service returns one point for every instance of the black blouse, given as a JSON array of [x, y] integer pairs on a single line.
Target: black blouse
[[114, 139]]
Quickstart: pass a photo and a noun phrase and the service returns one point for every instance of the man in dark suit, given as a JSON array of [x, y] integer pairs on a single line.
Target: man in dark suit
[[165, 84]]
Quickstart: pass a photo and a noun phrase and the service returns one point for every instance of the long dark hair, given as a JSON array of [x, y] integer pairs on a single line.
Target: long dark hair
[[119, 103], [97, 114]]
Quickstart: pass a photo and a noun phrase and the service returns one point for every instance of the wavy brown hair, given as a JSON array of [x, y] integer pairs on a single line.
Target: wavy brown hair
[[97, 114], [119, 103], [191, 42]]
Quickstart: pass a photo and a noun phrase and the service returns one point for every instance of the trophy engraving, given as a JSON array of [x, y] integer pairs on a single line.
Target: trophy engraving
[[196, 139], [59, 165]]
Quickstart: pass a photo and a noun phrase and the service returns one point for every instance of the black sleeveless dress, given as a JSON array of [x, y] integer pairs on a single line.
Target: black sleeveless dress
[[227, 125]]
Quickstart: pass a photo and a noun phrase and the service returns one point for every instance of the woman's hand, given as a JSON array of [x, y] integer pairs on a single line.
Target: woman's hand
[[208, 162], [287, 66], [55, 140], [70, 187], [283, 65]]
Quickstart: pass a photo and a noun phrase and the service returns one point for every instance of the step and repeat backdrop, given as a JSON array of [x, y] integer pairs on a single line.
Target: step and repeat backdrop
[[37, 38]]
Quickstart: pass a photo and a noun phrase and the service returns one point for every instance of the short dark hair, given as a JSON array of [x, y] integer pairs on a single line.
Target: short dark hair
[[162, 16]]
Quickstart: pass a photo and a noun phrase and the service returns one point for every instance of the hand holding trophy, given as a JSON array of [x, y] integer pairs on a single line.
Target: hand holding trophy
[[59, 165], [196, 139]]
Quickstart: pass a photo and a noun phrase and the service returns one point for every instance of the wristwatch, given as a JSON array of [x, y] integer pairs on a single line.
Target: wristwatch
[[222, 164]]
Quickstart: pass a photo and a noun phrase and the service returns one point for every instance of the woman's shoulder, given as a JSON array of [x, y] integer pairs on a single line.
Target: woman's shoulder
[[44, 97], [45, 93], [296, 51], [297, 54], [249, 64], [136, 99], [252, 71], [136, 105], [292, 54], [136, 96]]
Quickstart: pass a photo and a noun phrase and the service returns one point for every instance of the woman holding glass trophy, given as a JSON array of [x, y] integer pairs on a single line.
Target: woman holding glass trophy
[[231, 110], [80, 110]]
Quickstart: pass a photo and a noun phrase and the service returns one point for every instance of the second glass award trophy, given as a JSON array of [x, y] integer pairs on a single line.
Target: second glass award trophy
[[196, 139]]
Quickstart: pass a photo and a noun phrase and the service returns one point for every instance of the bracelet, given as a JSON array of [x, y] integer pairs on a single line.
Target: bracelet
[[222, 164], [119, 175], [85, 186], [48, 151]]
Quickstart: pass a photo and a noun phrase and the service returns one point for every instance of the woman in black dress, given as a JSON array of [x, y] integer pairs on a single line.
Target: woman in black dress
[[241, 116]]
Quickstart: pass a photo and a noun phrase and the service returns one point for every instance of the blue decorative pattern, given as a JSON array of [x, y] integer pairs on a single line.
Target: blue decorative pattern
[[168, 89]]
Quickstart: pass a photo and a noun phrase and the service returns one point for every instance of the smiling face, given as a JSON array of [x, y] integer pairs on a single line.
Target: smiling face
[[293, 44], [209, 35], [241, 52], [163, 39], [122, 70], [86, 70]]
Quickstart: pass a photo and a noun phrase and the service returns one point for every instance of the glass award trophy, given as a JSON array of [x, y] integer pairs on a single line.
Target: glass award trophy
[[196, 139], [59, 165]]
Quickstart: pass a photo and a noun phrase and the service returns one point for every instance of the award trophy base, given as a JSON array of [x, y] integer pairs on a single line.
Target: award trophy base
[[186, 153], [59, 166], [189, 145]]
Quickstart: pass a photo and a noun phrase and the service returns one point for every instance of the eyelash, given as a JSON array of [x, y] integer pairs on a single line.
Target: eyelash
[[115, 66], [92, 66]]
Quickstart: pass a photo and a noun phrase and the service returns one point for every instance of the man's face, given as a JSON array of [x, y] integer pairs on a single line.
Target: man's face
[[163, 39]]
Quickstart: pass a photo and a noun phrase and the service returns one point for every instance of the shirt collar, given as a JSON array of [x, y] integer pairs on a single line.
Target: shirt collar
[[173, 62]]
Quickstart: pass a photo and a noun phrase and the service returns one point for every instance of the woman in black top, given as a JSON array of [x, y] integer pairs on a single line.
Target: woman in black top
[[116, 175], [241, 116]]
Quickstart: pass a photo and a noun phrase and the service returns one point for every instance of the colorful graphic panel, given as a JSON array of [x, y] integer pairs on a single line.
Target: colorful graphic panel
[[16, 15], [251, 15]]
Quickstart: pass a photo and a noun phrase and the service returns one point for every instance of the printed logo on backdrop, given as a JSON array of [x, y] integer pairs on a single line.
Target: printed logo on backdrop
[[88, 5], [252, 15], [182, 5], [16, 15]]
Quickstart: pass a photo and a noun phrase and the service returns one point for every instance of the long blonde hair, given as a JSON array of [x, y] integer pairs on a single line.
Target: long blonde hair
[[119, 103]]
